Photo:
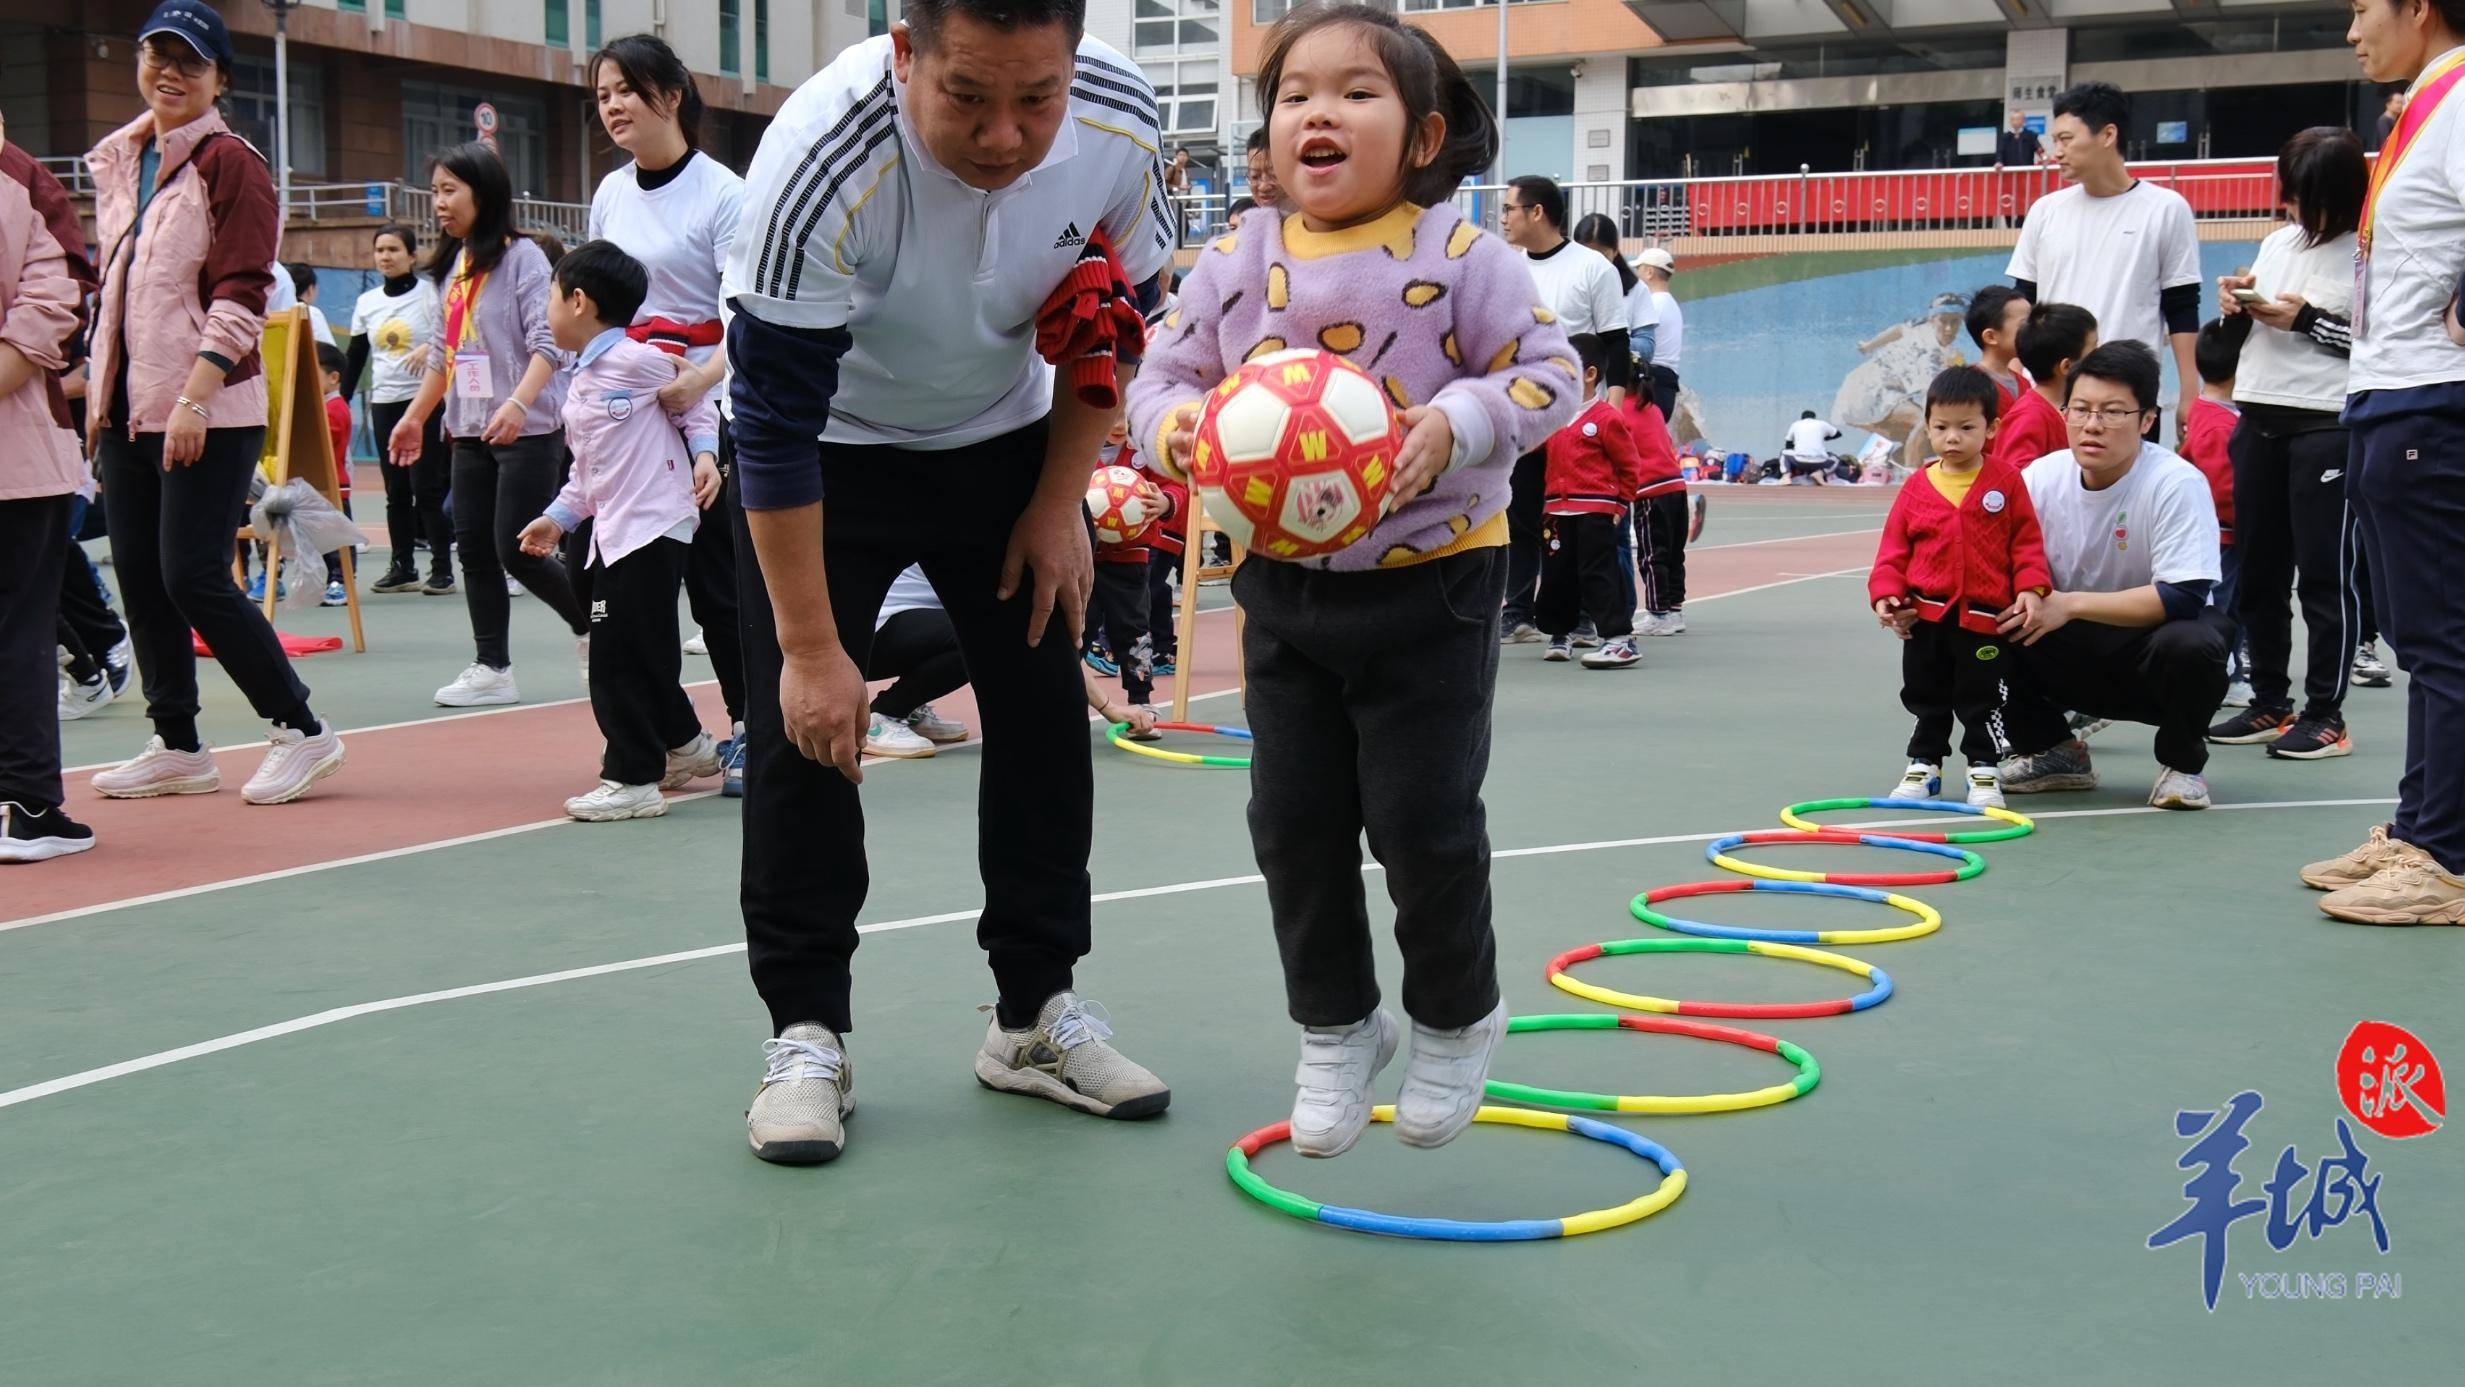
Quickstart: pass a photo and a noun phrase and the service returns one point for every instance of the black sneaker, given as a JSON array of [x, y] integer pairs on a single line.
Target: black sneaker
[[2061, 767], [37, 835], [399, 578], [2313, 739], [440, 583], [2253, 724]]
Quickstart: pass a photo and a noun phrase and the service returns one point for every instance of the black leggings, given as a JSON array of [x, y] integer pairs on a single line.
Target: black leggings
[[415, 495], [920, 649], [497, 491]]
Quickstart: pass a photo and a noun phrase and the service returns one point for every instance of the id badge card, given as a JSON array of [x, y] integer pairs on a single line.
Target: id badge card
[[471, 376]]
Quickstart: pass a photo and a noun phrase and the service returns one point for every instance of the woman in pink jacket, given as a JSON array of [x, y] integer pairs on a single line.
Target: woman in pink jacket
[[184, 212], [44, 279]]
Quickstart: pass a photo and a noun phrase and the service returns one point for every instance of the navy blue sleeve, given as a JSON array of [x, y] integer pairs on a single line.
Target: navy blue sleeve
[[2183, 601], [1150, 294], [780, 382]]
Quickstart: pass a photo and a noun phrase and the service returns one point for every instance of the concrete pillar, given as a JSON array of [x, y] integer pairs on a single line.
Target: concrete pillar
[[1600, 119]]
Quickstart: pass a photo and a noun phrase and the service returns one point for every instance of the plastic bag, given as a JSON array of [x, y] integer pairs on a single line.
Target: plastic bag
[[308, 528]]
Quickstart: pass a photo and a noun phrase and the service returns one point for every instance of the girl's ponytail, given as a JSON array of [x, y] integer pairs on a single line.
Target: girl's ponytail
[[1471, 143]]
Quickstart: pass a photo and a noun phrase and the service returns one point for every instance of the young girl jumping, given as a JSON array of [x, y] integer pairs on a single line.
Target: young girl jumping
[[1362, 665]]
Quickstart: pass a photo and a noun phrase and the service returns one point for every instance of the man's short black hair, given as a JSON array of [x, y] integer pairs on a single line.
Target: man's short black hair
[[1964, 385], [924, 17], [1544, 194], [1587, 347], [330, 358], [1986, 308], [1258, 140], [616, 282], [2054, 333], [2097, 105], [2215, 355], [2123, 363], [1805, 414]]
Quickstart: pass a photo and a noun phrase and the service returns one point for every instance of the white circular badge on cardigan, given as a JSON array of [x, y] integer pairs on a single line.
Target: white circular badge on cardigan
[[1994, 503]]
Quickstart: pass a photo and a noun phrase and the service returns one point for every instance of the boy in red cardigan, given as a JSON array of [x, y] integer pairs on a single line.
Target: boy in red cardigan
[[1960, 547], [2055, 336], [1593, 468]]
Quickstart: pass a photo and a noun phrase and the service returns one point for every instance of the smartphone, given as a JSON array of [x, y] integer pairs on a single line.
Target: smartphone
[[2249, 296]]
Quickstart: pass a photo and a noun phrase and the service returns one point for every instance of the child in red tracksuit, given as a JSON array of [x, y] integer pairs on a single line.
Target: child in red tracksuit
[[1593, 468], [1960, 548], [337, 423], [1661, 520], [1121, 589]]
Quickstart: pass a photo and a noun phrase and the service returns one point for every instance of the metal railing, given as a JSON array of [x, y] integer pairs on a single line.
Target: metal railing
[[322, 202]]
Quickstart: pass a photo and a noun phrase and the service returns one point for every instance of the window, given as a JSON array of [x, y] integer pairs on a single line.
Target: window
[[590, 25], [1186, 95], [435, 116], [1172, 26], [876, 18], [251, 108], [761, 40], [731, 37], [1266, 12], [560, 24], [1424, 6]]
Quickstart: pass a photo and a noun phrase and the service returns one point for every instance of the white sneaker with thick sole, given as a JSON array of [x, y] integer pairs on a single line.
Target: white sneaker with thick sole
[[1668, 623], [479, 687], [895, 739], [2178, 790], [78, 699], [695, 645], [1561, 649], [615, 801], [1985, 787], [1922, 780], [808, 1091], [933, 727], [1150, 735], [695, 760], [1066, 1058], [2238, 694], [1616, 654], [1337, 1067], [1444, 1078], [293, 762], [158, 770]]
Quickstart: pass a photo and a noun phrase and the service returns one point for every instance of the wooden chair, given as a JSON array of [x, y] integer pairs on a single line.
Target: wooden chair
[[1194, 571]]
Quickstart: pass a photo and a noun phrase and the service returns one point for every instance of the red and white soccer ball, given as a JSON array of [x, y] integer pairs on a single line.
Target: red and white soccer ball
[[1295, 453], [1123, 503]]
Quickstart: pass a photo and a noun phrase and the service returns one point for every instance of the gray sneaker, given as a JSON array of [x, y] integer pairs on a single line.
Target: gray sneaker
[[2178, 790], [1064, 1057], [808, 1090], [1445, 1078], [2061, 767], [1522, 633]]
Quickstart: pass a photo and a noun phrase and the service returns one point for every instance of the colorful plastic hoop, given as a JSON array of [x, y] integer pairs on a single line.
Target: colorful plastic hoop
[[1808, 1072], [2013, 825], [1673, 1183], [1718, 849], [1233, 763], [1767, 1011], [1928, 918]]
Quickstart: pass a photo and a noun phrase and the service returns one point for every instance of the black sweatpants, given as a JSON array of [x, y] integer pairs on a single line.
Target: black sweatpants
[[171, 536], [415, 495], [804, 876], [2296, 534], [87, 628], [710, 586], [1665, 392], [2171, 675], [2406, 476], [918, 650], [497, 491], [1947, 669], [1121, 595], [637, 662], [1579, 577], [33, 535], [1527, 490], [1160, 614], [1370, 694], [1660, 550]]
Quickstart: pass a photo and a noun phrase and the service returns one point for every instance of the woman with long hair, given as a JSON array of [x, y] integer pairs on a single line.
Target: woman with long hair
[[394, 330], [501, 380], [185, 212], [674, 208]]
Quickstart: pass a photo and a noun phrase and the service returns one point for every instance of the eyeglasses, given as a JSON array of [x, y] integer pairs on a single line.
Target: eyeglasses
[[158, 55], [2114, 416], [1514, 207]]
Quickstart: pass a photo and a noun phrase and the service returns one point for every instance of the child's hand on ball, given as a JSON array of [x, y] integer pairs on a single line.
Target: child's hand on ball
[[1428, 445]]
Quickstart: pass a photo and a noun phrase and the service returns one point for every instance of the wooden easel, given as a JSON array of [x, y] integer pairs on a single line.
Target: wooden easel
[[299, 444], [1195, 570]]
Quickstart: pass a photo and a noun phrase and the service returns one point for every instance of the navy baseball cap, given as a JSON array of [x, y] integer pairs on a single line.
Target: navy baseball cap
[[197, 24]]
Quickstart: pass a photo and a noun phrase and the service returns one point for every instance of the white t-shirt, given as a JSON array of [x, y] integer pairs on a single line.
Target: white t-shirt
[[1641, 311], [680, 231], [2157, 525], [317, 324], [1670, 338], [396, 325], [280, 295], [2283, 367], [1810, 438], [2417, 257], [2112, 256], [909, 592], [1580, 287], [850, 222]]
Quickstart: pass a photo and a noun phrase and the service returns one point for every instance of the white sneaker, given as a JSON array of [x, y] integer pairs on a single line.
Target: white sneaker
[[158, 770], [615, 801], [2238, 694], [1922, 780], [2178, 790], [695, 760], [1337, 1066], [119, 656], [479, 686], [293, 762], [1617, 654], [808, 1090], [77, 700], [1669, 623], [1443, 1080], [1561, 649], [1065, 1057], [888, 737], [933, 727], [695, 645], [513, 586], [1985, 787]]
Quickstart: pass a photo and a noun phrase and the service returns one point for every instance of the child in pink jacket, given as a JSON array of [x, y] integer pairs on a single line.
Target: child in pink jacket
[[642, 475]]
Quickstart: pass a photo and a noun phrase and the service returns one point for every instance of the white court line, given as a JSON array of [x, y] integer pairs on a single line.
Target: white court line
[[1784, 539], [1785, 582], [162, 1058]]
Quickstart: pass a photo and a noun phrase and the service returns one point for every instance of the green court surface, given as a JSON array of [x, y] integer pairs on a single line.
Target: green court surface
[[548, 1182]]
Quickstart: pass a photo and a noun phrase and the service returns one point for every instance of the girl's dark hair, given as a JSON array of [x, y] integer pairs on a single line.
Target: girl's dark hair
[[478, 168], [1596, 231], [1426, 79], [404, 234], [301, 276], [2321, 171], [652, 68]]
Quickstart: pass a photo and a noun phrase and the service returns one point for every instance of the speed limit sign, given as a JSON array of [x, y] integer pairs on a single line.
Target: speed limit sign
[[483, 116]]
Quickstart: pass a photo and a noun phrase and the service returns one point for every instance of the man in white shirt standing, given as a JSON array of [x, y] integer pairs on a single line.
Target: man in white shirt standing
[[1669, 335], [2124, 249], [2127, 634]]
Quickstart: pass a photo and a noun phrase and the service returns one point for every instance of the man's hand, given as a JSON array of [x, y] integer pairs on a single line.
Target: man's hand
[[822, 700], [540, 536], [1429, 441], [1896, 615], [2031, 618], [705, 480], [1050, 542]]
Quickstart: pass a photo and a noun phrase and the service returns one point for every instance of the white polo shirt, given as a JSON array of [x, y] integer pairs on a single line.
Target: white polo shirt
[[2417, 256], [850, 222], [680, 231], [2112, 256]]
